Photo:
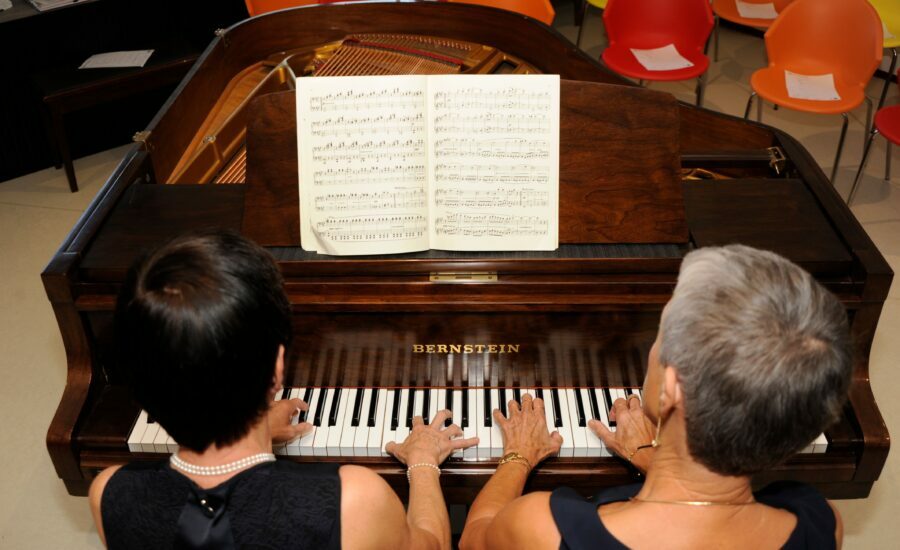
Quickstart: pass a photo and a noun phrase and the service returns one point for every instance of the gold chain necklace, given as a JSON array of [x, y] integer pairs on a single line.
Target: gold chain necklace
[[692, 502]]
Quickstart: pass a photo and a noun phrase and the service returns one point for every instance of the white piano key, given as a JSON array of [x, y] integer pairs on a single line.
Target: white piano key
[[348, 431], [456, 409], [333, 446], [171, 445], [579, 437], [402, 429], [594, 444], [496, 432], [604, 418], [435, 402], [159, 442], [820, 445], [137, 432], [149, 436], [418, 400], [305, 443], [320, 444], [548, 410], [388, 434], [292, 448], [382, 418], [568, 445], [484, 432], [471, 430], [361, 438]]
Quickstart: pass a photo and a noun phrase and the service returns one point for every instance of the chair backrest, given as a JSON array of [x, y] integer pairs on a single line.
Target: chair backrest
[[541, 10], [257, 7], [657, 23], [889, 11], [813, 37]]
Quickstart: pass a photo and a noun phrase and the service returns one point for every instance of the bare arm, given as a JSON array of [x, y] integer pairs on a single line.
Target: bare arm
[[95, 496], [524, 432]]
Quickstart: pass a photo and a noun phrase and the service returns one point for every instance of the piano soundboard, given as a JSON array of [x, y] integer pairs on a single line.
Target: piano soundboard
[[357, 422]]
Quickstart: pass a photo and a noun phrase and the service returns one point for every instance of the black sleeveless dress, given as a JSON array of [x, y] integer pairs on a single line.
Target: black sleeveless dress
[[581, 528], [273, 505]]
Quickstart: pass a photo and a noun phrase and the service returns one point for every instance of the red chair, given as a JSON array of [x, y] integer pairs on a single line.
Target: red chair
[[887, 123], [257, 7], [651, 24]]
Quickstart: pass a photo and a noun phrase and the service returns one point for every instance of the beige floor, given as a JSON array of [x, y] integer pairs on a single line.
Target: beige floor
[[37, 211]]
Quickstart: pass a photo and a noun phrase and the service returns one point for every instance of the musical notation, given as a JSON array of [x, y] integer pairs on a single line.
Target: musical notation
[[359, 126], [505, 99], [498, 148], [369, 151], [491, 225], [372, 228], [490, 123], [491, 173], [410, 198], [373, 175], [351, 100], [501, 198]]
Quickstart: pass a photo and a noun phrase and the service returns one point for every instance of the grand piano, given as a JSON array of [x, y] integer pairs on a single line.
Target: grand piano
[[581, 318]]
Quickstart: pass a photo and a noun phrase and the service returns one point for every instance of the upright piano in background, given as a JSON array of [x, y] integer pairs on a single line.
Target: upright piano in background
[[582, 316]]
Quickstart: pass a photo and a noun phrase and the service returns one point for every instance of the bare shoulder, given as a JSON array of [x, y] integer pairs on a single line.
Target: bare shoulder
[[95, 496], [372, 515], [525, 522]]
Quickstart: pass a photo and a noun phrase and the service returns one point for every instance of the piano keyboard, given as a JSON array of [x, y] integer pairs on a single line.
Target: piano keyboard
[[357, 422]]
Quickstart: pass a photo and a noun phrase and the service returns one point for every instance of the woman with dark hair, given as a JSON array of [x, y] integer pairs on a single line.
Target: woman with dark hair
[[751, 362], [201, 325]]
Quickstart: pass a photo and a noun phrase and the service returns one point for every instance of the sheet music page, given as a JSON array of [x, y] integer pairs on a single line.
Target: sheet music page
[[812, 87], [361, 148], [493, 166]]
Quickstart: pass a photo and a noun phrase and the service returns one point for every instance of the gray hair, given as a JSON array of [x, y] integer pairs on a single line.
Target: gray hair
[[763, 355]]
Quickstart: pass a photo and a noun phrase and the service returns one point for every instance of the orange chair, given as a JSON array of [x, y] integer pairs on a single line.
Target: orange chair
[[727, 10], [257, 7], [819, 37], [887, 123], [541, 10]]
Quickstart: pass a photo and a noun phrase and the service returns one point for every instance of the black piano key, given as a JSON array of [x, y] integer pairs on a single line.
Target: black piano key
[[286, 392], [557, 410], [539, 393], [395, 411], [426, 405], [357, 408], [628, 392], [579, 408], [465, 406], [607, 398], [307, 395], [448, 404], [373, 408], [488, 409], [150, 420], [502, 398], [410, 405], [517, 395], [335, 401], [317, 421], [595, 406]]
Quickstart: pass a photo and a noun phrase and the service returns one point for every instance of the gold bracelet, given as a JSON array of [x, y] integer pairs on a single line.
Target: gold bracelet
[[514, 457], [421, 465]]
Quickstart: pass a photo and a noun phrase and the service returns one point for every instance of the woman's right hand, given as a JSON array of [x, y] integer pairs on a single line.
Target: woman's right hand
[[634, 430], [430, 444], [525, 431]]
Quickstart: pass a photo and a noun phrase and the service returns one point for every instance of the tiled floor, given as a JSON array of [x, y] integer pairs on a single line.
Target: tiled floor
[[37, 211]]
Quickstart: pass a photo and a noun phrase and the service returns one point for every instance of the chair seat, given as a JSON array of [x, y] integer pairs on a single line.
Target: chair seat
[[727, 10], [887, 121], [770, 84], [620, 59]]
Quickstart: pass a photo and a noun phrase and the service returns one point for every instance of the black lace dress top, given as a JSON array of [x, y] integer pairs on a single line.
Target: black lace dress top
[[273, 505], [581, 528]]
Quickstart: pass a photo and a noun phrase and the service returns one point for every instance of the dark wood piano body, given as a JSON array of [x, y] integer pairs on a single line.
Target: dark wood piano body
[[585, 314]]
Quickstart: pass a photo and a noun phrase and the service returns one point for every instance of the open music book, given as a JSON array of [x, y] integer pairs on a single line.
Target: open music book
[[393, 164]]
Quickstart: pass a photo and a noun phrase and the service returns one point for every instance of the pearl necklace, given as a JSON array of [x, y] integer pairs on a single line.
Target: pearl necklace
[[252, 460]]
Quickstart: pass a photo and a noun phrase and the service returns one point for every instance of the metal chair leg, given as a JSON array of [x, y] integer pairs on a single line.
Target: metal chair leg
[[716, 51], [759, 109], [891, 75], [837, 158], [749, 104], [862, 165], [584, 10], [887, 163], [869, 120], [701, 88]]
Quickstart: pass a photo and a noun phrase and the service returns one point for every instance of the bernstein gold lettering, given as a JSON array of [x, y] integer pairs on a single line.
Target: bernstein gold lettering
[[455, 348], [465, 348], [442, 348]]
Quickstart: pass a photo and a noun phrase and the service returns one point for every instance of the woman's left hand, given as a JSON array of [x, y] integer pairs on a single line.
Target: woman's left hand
[[281, 415], [431, 443]]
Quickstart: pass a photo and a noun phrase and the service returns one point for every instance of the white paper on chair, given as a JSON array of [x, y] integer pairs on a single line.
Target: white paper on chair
[[887, 33], [756, 11], [816, 88], [666, 58], [135, 58]]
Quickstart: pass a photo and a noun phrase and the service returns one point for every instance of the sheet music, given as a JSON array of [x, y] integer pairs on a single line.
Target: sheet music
[[752, 10], [361, 148], [666, 58], [812, 87], [493, 162]]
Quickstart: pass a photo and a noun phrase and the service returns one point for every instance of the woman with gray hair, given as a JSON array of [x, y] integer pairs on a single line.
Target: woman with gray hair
[[751, 362]]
